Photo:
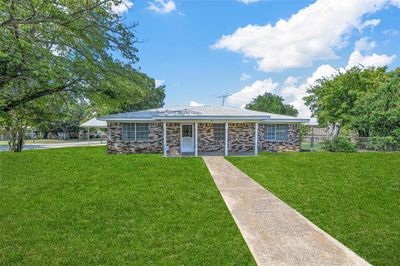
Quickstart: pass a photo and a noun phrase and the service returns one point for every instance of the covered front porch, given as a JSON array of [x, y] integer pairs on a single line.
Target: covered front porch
[[210, 138]]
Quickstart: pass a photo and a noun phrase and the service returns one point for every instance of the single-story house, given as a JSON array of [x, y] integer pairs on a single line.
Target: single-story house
[[198, 130]]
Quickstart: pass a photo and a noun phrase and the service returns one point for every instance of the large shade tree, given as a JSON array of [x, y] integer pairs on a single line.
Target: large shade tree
[[59, 47], [365, 99], [271, 103]]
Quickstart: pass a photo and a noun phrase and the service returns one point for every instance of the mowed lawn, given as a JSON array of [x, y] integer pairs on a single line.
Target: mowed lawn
[[81, 206], [355, 197]]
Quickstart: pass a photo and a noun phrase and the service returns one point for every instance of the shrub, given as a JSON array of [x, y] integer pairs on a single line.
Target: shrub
[[338, 144], [388, 143]]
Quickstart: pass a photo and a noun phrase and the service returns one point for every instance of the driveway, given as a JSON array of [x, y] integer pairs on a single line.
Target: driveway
[[275, 233], [57, 145]]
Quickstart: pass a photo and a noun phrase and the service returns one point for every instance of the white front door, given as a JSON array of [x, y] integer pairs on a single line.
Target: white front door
[[187, 141]]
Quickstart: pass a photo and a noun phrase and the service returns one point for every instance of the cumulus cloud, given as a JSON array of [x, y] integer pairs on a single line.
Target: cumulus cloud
[[357, 58], [292, 90], [364, 44], [370, 23], [194, 103], [248, 1], [244, 76], [122, 7], [313, 33], [162, 6], [248, 93]]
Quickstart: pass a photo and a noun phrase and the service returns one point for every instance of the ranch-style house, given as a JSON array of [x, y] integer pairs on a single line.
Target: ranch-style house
[[201, 130]]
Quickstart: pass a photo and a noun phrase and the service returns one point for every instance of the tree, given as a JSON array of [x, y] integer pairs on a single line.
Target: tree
[[332, 100], [271, 103], [377, 113], [63, 47]]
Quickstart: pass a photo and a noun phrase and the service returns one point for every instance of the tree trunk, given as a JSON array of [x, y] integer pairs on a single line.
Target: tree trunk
[[16, 142], [333, 130]]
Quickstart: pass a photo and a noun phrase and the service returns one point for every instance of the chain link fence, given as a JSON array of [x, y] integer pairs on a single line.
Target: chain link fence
[[316, 143]]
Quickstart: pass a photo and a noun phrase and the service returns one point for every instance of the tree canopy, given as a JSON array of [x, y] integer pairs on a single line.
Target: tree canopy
[[363, 99], [58, 56], [82, 47], [271, 103]]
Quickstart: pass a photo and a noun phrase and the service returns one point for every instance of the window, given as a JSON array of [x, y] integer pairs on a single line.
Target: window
[[187, 131], [135, 132], [219, 131], [276, 132]]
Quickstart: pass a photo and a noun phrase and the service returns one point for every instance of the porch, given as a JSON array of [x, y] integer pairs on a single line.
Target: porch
[[210, 138]]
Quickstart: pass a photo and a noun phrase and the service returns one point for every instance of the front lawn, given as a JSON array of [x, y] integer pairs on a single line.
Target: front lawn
[[79, 206], [355, 197]]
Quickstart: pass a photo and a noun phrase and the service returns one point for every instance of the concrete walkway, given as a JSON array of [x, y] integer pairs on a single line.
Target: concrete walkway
[[275, 233]]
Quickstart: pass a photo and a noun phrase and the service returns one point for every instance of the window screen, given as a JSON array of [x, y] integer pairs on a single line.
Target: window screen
[[219, 131], [276, 132], [128, 132], [282, 132], [135, 132]]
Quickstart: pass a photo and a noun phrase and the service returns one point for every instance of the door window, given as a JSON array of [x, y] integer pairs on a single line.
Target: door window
[[187, 131]]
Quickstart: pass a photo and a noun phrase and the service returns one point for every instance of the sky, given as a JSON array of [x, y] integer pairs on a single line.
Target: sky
[[201, 50]]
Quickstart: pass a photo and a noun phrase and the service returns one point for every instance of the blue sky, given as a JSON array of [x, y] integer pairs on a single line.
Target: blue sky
[[203, 49]]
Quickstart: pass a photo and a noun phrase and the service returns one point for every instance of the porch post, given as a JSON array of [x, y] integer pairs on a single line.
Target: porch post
[[226, 138], [195, 139], [256, 140], [165, 139]]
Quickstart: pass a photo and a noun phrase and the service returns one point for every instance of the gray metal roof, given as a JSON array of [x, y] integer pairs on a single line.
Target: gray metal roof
[[199, 113], [94, 123]]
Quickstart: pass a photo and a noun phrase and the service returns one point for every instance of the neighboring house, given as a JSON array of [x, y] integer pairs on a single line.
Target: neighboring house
[[195, 130]]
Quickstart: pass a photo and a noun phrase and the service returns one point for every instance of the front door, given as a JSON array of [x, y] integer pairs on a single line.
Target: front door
[[187, 141]]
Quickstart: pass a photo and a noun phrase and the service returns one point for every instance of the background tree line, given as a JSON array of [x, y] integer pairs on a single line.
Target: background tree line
[[64, 61]]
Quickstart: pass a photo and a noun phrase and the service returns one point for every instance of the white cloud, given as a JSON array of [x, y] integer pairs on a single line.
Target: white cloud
[[248, 93], [159, 82], [122, 7], [370, 23], [162, 6], [248, 1], [293, 93], [357, 58], [292, 90], [364, 44], [245, 76], [313, 33], [396, 3], [194, 103]]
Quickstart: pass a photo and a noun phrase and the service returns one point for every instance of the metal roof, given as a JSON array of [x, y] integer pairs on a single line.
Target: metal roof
[[94, 123], [200, 113]]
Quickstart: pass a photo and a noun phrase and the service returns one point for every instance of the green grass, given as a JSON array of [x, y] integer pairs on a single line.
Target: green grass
[[355, 197], [81, 206]]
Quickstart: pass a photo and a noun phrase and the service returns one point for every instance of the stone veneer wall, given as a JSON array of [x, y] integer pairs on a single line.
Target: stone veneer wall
[[292, 144], [241, 137], [115, 144], [206, 142], [173, 139]]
